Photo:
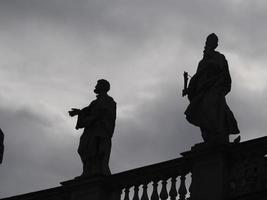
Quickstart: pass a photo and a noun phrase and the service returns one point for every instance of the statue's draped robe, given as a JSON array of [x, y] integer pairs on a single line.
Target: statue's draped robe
[[98, 121], [206, 92]]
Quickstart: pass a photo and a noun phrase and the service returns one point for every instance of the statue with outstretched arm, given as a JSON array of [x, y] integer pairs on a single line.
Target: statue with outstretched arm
[[98, 122]]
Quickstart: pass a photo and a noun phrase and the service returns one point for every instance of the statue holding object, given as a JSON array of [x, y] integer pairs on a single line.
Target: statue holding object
[[206, 92]]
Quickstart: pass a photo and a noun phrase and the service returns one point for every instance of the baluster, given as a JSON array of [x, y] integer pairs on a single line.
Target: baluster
[[136, 190], [190, 188], [182, 190], [144, 196], [116, 194], [173, 192], [164, 194], [155, 194], [126, 193]]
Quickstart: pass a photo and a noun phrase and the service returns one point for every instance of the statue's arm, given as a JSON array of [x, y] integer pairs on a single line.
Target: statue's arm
[[226, 88], [191, 87], [74, 111], [84, 117]]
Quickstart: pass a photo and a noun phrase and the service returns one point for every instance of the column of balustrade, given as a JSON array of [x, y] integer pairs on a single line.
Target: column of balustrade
[[164, 194], [126, 193], [144, 195], [182, 190], [136, 192], [155, 194], [173, 191], [190, 188]]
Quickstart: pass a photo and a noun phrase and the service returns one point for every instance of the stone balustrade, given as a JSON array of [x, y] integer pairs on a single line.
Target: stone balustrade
[[206, 172], [166, 180]]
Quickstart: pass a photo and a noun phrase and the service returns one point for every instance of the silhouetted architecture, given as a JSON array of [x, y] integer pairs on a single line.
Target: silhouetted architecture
[[1, 145], [213, 170], [98, 121], [223, 171], [206, 92]]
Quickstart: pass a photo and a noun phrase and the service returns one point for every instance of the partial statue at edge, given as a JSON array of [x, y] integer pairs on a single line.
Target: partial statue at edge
[[1, 145], [206, 92], [98, 121]]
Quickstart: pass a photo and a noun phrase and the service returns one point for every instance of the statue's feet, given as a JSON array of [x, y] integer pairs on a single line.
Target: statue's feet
[[84, 176], [91, 175], [213, 138]]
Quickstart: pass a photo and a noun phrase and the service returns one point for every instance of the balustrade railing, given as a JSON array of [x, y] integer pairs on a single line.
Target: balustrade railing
[[162, 181], [241, 168]]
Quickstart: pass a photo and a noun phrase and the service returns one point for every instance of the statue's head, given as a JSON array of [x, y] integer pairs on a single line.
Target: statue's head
[[102, 86], [211, 41]]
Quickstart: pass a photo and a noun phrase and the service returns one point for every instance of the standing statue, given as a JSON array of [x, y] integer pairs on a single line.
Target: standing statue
[[206, 92], [98, 121], [1, 145]]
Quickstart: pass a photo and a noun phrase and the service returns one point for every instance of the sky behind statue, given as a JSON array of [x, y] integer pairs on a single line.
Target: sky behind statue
[[51, 52]]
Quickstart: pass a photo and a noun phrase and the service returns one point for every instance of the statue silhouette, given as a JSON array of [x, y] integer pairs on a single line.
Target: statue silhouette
[[98, 121], [1, 145], [206, 92]]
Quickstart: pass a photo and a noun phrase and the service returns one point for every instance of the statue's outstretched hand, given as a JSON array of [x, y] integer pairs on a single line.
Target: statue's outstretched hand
[[74, 111]]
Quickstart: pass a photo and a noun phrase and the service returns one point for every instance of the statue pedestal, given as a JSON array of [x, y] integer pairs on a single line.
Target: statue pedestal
[[94, 188], [209, 171]]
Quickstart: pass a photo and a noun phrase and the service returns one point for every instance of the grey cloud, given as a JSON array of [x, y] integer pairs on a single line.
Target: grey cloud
[[159, 131], [132, 24], [52, 51], [251, 112], [33, 152]]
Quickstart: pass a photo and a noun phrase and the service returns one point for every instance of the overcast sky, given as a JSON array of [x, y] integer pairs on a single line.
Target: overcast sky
[[52, 53]]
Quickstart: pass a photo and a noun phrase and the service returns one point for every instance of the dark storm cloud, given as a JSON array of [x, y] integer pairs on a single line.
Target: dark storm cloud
[[137, 19], [133, 23]]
